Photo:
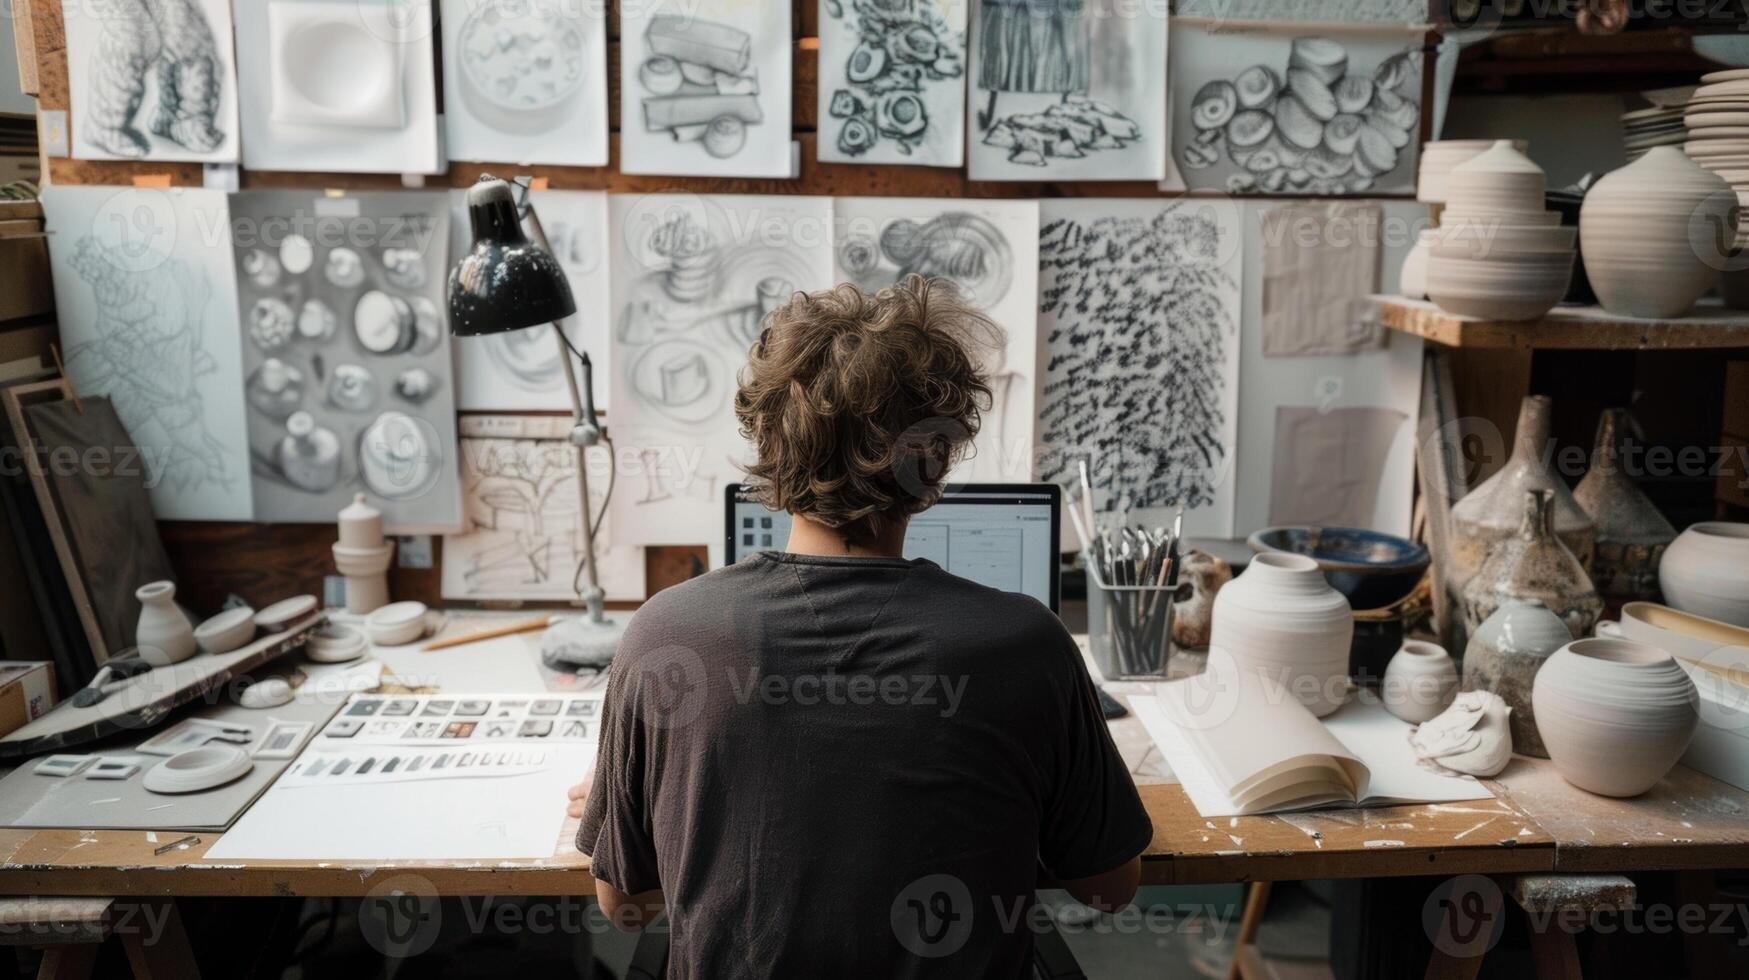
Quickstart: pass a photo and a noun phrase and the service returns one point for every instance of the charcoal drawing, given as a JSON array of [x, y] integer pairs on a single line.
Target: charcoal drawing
[[894, 84]]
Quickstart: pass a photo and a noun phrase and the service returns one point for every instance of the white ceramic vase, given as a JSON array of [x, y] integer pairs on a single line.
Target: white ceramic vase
[[1705, 571], [1615, 715], [1419, 682], [1635, 231], [163, 634], [1282, 619]]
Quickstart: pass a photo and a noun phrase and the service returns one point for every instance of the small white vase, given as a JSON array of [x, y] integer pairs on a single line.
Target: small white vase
[[1615, 715], [1419, 682], [163, 635], [1282, 619], [1636, 232], [1705, 571]]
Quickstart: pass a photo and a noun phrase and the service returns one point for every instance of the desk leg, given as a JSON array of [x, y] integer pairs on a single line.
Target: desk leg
[[1256, 901], [69, 962], [165, 956], [1555, 953]]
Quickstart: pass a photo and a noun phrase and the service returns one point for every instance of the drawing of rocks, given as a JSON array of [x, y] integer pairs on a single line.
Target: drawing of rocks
[[703, 88], [1312, 128], [1070, 129]]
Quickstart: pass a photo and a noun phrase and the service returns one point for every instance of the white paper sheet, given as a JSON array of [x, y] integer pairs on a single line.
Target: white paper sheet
[[892, 85], [989, 249], [1139, 306], [117, 51], [148, 310], [693, 278], [705, 88], [1068, 90], [521, 370], [525, 82]]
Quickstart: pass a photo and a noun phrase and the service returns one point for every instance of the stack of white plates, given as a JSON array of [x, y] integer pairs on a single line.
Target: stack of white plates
[[1439, 157], [1643, 129], [1499, 253], [1717, 120]]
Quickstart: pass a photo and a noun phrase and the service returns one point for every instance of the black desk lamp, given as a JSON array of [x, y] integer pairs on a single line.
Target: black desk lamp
[[507, 282]]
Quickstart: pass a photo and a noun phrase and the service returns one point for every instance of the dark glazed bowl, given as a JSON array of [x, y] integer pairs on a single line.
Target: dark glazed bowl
[[1371, 569]]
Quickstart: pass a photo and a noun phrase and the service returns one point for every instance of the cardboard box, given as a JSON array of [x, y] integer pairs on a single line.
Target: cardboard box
[[27, 690]]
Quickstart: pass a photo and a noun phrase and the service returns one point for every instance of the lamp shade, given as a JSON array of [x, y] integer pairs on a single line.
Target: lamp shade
[[505, 282]]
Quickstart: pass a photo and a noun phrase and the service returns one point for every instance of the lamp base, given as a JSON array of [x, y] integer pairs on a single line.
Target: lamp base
[[580, 643]]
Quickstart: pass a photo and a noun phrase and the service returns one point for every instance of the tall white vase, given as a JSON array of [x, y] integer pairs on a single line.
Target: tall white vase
[[1282, 619], [1615, 715], [1637, 232], [163, 634]]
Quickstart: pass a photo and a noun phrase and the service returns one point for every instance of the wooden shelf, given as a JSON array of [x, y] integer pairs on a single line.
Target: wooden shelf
[[1710, 325]]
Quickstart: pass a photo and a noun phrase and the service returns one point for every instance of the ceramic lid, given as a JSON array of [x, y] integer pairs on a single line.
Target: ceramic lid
[[1501, 158], [359, 510]]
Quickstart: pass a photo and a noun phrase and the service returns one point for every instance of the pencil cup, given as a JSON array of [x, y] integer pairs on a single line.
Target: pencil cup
[[1129, 628]]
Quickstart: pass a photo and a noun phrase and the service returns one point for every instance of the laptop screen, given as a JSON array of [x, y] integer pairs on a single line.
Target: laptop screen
[[1003, 535]]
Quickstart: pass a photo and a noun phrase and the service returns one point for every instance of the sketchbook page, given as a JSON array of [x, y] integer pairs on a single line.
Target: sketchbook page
[[705, 88], [1381, 741], [1139, 338], [1189, 765], [1067, 90], [349, 382], [525, 82], [148, 312], [525, 537], [893, 82], [338, 86], [1248, 728], [988, 250], [152, 82], [521, 370], [1316, 109], [693, 279]]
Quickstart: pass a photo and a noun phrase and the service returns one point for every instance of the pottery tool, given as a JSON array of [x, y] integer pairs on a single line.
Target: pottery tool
[[508, 629]]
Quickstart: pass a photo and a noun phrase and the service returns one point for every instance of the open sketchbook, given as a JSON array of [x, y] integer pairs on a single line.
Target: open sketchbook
[[1241, 745]]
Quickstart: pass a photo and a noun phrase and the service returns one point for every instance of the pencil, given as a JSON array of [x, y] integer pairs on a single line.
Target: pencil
[[508, 629]]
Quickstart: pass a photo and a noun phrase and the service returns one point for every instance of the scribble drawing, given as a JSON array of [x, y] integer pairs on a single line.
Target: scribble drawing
[[525, 489], [701, 84], [904, 49], [1044, 47], [1137, 377], [148, 356], [173, 38]]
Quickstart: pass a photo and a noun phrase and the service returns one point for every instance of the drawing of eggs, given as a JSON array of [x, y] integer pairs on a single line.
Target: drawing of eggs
[[405, 267], [352, 388], [296, 254], [260, 268], [271, 323], [316, 320], [384, 324], [427, 325], [416, 385], [1214, 105], [275, 389], [399, 456], [344, 268]]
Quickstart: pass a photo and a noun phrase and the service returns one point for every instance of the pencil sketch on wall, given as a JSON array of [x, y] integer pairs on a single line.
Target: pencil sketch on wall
[[147, 317], [525, 81], [1068, 89], [988, 252], [893, 85], [693, 278], [152, 79], [525, 537], [1336, 112], [1139, 305]]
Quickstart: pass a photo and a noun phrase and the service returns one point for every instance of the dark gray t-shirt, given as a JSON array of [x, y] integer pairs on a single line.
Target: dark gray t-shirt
[[852, 767]]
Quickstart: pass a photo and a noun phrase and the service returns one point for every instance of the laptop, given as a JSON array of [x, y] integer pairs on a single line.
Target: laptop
[[1003, 535]]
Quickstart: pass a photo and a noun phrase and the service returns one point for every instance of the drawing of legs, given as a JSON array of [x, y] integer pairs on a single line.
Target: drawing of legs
[[188, 77], [1031, 46], [129, 46]]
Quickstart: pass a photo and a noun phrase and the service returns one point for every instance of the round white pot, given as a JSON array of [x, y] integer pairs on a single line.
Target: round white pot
[[1705, 571], [1419, 682], [1281, 618], [1615, 715], [1635, 233]]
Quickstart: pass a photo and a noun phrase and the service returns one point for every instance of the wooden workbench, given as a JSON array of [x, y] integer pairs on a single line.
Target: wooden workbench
[[1536, 823]]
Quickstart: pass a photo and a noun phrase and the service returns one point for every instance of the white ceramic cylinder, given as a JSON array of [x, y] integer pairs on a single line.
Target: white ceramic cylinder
[[163, 634], [1705, 571], [1615, 715], [1419, 682], [1281, 618], [360, 524]]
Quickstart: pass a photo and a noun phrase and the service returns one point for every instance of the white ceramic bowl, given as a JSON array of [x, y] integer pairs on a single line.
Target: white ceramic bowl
[[335, 643], [1615, 715], [226, 631], [210, 765], [1521, 287], [282, 614], [1686, 635], [1705, 571], [396, 624]]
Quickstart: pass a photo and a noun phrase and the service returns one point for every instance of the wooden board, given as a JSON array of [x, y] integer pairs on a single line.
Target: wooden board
[[1709, 325]]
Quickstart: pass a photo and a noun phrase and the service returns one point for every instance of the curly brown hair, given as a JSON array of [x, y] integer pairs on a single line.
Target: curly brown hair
[[858, 405]]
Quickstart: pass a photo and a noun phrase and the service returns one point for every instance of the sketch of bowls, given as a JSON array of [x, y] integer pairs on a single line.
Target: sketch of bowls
[[1214, 105], [398, 456], [1321, 57], [1256, 86], [309, 455], [352, 388], [344, 268], [521, 64], [660, 75], [384, 323], [427, 325], [260, 268], [859, 255], [526, 355], [271, 323], [405, 267], [962, 248], [683, 380], [296, 254], [316, 320], [275, 389], [724, 136], [329, 69], [415, 385]]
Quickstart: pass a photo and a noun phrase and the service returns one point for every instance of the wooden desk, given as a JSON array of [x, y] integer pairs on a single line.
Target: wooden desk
[[1536, 823]]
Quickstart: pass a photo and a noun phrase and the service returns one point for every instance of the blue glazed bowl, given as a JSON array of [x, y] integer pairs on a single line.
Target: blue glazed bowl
[[1371, 569]]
